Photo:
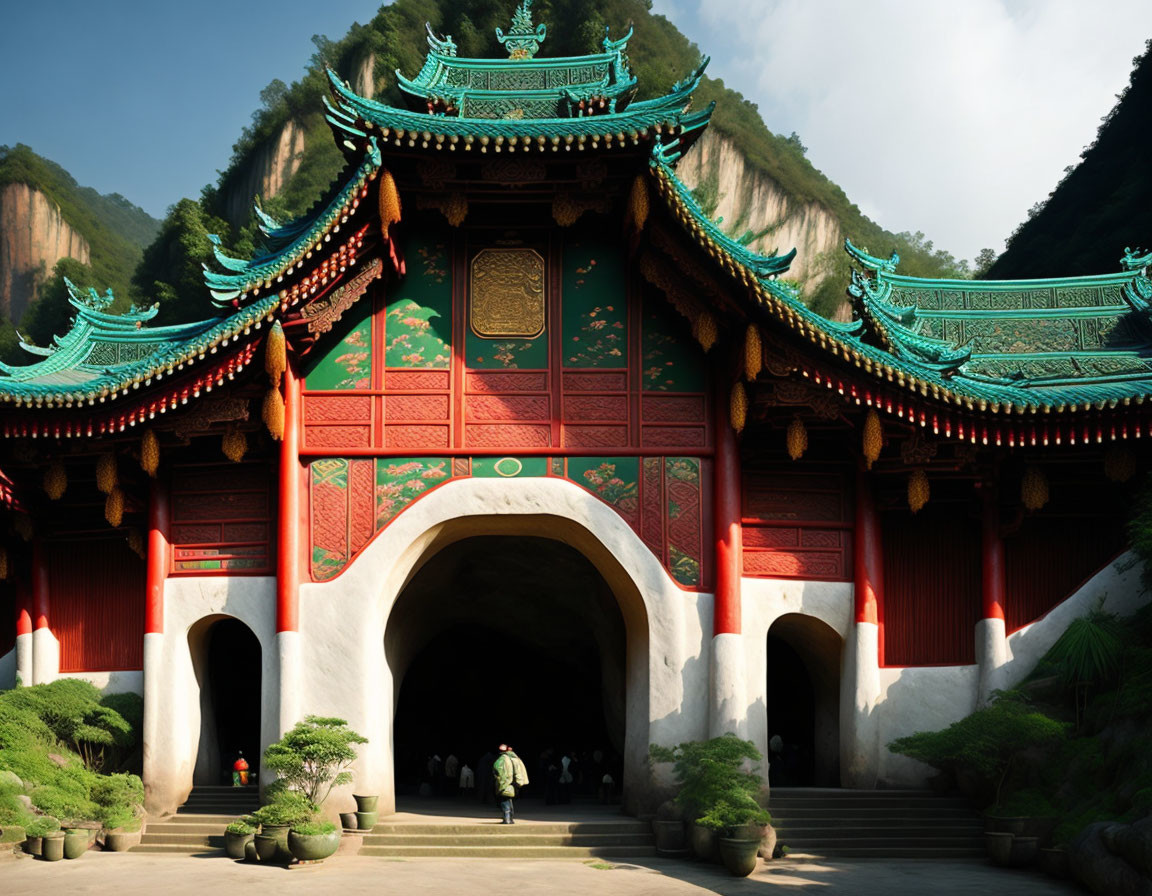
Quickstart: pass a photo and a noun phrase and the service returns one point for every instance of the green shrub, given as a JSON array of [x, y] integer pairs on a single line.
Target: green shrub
[[63, 804], [714, 782], [313, 757], [731, 813], [43, 825], [240, 826], [286, 807], [314, 828], [118, 791], [121, 819]]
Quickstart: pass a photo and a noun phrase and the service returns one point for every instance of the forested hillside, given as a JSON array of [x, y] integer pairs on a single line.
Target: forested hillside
[[1102, 206]]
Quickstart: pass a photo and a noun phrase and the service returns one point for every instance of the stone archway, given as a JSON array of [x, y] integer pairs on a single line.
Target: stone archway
[[804, 657], [226, 662]]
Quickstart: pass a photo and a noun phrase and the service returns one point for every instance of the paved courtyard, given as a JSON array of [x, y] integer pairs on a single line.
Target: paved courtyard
[[135, 875]]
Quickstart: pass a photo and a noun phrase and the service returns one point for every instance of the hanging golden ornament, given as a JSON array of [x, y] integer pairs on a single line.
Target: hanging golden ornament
[[873, 437], [114, 506], [107, 476], [273, 413], [275, 354], [753, 353], [136, 544], [797, 439], [389, 201], [3, 562], [56, 480], [234, 445], [566, 211], [22, 526], [1119, 464], [638, 203], [704, 330], [1034, 488], [918, 490], [455, 208], [738, 407], [149, 453]]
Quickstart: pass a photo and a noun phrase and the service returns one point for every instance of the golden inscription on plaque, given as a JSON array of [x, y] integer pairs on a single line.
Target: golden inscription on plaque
[[507, 288]]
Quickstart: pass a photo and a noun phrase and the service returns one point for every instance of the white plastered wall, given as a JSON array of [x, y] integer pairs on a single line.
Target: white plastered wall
[[8, 670], [172, 692], [343, 622]]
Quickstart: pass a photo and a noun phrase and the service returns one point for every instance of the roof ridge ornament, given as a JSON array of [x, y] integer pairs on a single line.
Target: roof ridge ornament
[[523, 40], [443, 46]]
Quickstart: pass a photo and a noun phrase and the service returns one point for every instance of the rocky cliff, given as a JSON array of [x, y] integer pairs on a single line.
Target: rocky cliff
[[267, 172], [748, 199], [33, 237]]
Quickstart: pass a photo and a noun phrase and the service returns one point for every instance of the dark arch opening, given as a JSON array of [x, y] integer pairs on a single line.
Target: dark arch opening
[[514, 639], [803, 668], [226, 659]]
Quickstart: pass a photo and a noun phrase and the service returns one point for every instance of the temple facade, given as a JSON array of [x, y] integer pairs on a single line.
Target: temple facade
[[505, 439]]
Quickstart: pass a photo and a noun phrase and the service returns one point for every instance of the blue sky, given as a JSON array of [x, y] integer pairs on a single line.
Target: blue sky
[[950, 118]]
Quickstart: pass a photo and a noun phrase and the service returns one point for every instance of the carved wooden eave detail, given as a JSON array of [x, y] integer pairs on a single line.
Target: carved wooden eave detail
[[208, 411], [320, 316], [795, 393]]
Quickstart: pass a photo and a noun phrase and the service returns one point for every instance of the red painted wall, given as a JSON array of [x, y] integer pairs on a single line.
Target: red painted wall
[[96, 604], [932, 587], [222, 519]]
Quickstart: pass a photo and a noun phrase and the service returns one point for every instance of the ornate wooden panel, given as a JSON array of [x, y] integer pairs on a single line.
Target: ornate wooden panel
[[222, 519], [507, 293], [596, 409], [96, 604], [797, 525]]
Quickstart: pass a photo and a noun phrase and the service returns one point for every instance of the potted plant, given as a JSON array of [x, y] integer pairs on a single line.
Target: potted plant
[[238, 835], [313, 841], [668, 827], [121, 829], [739, 822], [52, 848], [714, 783], [36, 831], [275, 819], [75, 842]]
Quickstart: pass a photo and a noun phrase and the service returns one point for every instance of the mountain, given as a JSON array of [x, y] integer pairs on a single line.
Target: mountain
[[1102, 206], [761, 183], [45, 216]]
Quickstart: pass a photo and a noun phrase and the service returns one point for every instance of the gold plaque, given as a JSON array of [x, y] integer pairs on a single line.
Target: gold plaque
[[507, 288]]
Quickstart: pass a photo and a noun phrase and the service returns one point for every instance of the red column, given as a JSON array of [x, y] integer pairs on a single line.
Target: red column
[[288, 533], [726, 485], [40, 585], [868, 562], [994, 576], [158, 516]]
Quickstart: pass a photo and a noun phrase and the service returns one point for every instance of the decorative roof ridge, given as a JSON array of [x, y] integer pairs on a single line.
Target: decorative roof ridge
[[293, 242], [524, 38]]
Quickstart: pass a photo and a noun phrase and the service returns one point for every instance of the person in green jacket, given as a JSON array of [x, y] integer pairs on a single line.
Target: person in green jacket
[[509, 773]]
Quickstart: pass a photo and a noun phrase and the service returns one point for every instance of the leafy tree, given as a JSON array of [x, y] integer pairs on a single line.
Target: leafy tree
[[985, 258], [314, 756], [713, 777]]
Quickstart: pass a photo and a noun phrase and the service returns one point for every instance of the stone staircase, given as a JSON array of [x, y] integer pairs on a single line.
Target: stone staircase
[[198, 825], [881, 824], [526, 839]]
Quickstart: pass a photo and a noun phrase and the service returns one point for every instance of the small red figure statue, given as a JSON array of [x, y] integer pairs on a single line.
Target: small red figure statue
[[240, 771]]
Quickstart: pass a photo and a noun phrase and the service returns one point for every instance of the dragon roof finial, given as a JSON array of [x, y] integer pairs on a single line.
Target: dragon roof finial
[[524, 38]]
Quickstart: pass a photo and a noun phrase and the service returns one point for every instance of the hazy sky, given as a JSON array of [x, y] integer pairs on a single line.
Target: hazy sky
[[948, 117]]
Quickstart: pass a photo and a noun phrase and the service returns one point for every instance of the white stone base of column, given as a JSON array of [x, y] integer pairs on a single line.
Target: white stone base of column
[[727, 695], [859, 696], [991, 657], [45, 656], [24, 658], [288, 650], [160, 786]]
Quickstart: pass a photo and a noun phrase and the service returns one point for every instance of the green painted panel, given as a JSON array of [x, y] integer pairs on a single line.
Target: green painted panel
[[507, 352], [418, 323], [348, 364], [400, 480], [673, 361], [509, 467], [595, 312], [615, 480]]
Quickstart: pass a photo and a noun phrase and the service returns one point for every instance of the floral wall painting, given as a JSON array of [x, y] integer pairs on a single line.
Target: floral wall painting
[[418, 317], [672, 360], [400, 481], [595, 313], [614, 480], [348, 364]]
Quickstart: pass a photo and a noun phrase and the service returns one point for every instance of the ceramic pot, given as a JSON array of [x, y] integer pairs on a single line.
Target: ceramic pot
[[266, 847], [313, 847], [999, 844], [234, 844], [703, 843], [739, 856], [75, 843], [365, 803], [53, 847], [348, 821], [669, 837], [365, 821], [33, 845], [1053, 861], [1024, 851]]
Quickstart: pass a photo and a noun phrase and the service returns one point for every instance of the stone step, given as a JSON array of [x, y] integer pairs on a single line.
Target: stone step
[[510, 852], [216, 838], [176, 850], [494, 827], [168, 827], [867, 812], [894, 852], [520, 838], [807, 844], [796, 829], [220, 818]]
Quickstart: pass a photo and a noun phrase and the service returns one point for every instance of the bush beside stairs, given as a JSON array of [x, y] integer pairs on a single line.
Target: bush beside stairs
[[881, 824], [198, 825]]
